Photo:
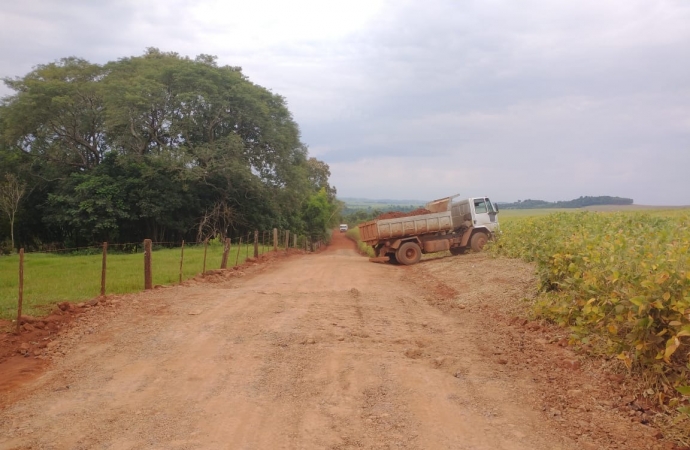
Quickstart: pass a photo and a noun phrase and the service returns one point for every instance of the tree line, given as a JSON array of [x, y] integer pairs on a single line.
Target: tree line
[[576, 203], [155, 146]]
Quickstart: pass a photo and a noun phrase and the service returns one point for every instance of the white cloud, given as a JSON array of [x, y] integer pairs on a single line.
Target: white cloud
[[545, 99]]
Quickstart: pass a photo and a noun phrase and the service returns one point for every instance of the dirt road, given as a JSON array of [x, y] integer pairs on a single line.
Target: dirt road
[[316, 351]]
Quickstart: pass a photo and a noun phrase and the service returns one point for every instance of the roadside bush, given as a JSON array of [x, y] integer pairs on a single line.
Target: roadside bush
[[6, 247], [353, 233], [620, 281]]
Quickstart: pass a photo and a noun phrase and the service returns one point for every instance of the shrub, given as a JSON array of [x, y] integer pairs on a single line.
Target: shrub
[[620, 281], [6, 247]]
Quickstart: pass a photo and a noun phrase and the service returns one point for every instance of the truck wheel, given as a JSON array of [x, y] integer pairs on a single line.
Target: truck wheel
[[409, 253], [457, 251], [478, 241]]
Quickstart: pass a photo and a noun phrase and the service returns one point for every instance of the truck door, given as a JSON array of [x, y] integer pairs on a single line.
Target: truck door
[[493, 210], [483, 213]]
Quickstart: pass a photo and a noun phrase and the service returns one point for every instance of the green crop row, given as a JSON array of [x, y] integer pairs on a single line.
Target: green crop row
[[620, 281]]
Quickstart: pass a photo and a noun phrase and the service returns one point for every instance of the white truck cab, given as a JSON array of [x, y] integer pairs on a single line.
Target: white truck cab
[[343, 227], [484, 213]]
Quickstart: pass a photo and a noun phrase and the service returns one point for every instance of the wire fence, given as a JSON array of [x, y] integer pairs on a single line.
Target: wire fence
[[47, 277]]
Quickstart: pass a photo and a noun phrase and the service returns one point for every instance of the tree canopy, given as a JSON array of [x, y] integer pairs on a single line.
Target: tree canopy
[[153, 146]]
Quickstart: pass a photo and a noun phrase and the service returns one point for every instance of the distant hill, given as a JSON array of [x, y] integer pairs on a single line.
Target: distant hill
[[358, 209], [581, 202]]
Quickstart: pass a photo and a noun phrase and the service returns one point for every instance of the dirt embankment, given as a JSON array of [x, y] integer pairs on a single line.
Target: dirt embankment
[[326, 351]]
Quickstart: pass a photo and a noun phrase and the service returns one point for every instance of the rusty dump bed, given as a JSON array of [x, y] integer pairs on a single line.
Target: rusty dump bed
[[377, 230]]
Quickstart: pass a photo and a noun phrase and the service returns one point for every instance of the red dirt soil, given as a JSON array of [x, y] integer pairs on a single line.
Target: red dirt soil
[[23, 356], [399, 214]]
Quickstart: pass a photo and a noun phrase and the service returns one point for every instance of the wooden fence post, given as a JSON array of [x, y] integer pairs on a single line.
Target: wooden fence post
[[246, 255], [294, 240], [256, 243], [287, 240], [239, 249], [203, 269], [148, 279], [21, 289], [226, 250], [181, 259], [275, 239], [105, 255]]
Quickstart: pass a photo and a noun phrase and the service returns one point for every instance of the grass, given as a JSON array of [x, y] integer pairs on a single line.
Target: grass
[[353, 233], [51, 278]]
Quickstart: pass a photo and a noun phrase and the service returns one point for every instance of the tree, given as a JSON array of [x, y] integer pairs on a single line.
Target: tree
[[318, 214], [149, 146], [57, 114], [11, 193], [318, 174]]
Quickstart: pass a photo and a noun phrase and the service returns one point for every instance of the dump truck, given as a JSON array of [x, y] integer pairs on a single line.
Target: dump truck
[[448, 224]]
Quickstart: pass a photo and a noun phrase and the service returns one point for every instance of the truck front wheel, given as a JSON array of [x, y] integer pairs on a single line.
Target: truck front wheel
[[409, 253], [478, 241]]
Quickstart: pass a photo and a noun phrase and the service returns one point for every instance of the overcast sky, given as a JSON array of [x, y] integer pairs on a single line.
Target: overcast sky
[[541, 99]]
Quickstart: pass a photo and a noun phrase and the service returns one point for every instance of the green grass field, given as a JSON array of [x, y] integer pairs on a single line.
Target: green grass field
[[51, 278], [508, 214]]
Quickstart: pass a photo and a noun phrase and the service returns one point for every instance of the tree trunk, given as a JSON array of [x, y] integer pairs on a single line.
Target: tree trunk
[[12, 230]]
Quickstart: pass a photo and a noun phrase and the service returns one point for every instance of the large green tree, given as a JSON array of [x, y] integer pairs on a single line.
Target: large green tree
[[319, 214], [154, 146]]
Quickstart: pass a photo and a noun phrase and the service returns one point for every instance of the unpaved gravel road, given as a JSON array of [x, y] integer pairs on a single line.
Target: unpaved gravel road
[[314, 351]]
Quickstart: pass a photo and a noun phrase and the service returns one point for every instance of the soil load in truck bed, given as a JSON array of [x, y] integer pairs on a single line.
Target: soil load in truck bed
[[399, 214]]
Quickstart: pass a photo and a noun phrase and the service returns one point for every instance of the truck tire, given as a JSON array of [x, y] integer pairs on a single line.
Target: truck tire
[[409, 253], [478, 241], [457, 251]]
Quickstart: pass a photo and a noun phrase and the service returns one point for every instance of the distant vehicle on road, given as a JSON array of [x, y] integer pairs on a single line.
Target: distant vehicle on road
[[343, 227]]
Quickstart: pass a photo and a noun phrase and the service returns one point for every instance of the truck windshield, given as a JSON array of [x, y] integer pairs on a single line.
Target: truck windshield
[[479, 206]]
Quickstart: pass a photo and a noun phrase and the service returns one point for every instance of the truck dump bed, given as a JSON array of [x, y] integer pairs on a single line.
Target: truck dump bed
[[377, 230]]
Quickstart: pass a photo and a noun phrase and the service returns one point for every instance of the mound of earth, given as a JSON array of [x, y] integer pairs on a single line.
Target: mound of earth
[[399, 214]]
